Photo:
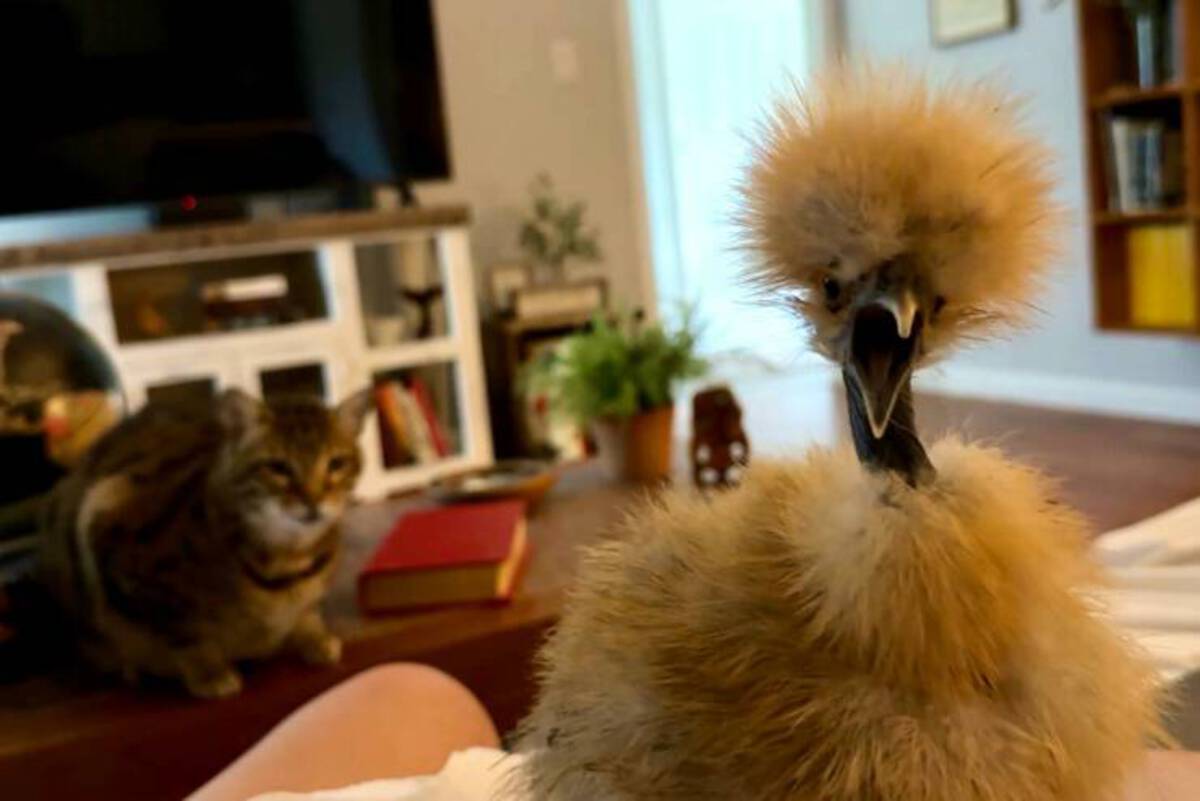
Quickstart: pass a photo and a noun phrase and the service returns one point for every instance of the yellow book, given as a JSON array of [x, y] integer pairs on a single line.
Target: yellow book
[[1162, 276]]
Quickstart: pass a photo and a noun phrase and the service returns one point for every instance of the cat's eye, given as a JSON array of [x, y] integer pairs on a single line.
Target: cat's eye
[[939, 303], [337, 464], [277, 469], [831, 288]]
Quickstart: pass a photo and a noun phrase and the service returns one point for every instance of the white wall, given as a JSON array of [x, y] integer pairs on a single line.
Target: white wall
[[509, 118], [1041, 59]]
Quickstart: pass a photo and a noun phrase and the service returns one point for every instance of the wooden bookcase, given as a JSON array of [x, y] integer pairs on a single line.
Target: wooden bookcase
[[1109, 86]]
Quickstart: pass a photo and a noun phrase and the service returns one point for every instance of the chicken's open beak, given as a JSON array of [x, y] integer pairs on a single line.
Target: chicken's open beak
[[884, 337]]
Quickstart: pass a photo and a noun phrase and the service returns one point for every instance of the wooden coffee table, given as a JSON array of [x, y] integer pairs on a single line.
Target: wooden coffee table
[[63, 740]]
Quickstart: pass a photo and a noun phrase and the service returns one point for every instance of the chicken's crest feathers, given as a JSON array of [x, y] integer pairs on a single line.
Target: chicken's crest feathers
[[863, 165]]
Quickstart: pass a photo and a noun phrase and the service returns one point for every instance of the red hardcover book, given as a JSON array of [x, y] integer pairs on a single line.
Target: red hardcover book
[[469, 553], [388, 422]]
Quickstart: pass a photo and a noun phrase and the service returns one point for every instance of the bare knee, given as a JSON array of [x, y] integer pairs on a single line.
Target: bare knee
[[404, 680], [393, 720], [410, 689]]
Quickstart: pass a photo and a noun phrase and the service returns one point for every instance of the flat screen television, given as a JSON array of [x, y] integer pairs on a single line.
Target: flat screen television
[[111, 102]]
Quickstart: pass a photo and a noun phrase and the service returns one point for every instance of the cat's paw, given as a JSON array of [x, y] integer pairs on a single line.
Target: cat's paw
[[221, 684], [324, 649]]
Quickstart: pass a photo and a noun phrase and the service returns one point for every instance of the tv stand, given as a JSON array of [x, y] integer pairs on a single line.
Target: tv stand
[[321, 303], [194, 210], [199, 209]]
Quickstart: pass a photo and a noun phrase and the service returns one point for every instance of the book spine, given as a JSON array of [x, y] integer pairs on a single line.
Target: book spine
[[1120, 134], [1162, 285], [1113, 197], [1172, 167], [396, 446], [1152, 133], [386, 427], [1174, 38], [404, 429], [420, 393], [417, 427], [1140, 174]]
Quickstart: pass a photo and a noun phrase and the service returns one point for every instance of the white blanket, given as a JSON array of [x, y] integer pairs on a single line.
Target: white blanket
[[1155, 565], [477, 774]]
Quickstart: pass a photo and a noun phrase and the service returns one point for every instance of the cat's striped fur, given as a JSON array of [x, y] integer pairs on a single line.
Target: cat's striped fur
[[191, 538]]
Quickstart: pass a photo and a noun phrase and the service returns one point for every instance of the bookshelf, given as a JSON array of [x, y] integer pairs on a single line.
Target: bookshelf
[[1145, 252]]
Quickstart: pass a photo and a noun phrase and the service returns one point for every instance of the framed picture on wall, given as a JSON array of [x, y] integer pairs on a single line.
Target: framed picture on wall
[[954, 21]]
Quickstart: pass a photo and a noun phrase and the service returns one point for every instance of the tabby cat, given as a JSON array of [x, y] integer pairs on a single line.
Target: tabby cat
[[195, 536]]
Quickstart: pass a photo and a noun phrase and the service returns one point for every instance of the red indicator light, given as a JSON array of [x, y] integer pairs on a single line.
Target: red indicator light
[[188, 203]]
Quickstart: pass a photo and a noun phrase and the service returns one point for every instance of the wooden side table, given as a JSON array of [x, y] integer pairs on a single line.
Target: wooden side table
[[511, 342]]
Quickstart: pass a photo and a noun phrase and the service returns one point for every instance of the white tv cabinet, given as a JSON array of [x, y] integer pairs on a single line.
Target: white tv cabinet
[[366, 297]]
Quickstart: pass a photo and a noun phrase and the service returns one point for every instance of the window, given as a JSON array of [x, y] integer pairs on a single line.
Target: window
[[706, 72]]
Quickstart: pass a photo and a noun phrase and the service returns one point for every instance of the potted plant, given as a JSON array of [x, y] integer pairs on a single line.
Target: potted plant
[[554, 232], [619, 377]]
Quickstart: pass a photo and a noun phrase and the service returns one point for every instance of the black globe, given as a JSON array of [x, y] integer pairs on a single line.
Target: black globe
[[50, 368]]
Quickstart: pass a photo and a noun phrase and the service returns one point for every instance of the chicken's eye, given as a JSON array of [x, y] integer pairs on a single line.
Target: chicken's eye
[[831, 288]]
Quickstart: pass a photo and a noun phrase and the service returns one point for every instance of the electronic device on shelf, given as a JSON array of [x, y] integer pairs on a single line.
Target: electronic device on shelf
[[202, 108]]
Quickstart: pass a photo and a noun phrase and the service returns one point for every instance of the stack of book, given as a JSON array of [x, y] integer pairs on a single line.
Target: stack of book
[[1145, 167], [411, 430]]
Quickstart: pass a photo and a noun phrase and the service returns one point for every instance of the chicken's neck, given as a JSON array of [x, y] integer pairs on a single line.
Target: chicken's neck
[[899, 449]]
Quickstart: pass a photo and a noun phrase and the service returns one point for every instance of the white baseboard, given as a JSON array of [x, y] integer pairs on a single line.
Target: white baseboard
[[1101, 396]]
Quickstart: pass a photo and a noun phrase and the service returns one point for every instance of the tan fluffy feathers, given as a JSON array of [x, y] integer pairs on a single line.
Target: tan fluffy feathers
[[825, 633], [866, 165]]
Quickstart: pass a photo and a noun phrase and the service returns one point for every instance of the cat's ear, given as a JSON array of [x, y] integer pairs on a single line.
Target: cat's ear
[[238, 411], [352, 411]]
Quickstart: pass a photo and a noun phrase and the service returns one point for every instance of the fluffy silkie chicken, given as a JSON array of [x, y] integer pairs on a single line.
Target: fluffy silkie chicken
[[883, 624]]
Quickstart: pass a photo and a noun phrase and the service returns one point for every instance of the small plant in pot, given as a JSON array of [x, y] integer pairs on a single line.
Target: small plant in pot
[[619, 377], [555, 234]]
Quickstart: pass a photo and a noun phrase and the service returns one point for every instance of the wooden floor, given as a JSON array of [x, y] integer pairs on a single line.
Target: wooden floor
[[63, 739], [1115, 470]]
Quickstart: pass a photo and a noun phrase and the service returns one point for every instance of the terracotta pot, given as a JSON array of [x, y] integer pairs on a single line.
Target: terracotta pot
[[637, 448]]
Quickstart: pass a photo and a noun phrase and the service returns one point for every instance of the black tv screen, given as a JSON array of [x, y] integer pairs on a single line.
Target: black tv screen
[[112, 102]]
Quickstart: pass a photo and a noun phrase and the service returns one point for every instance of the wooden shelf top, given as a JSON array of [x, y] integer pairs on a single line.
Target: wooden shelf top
[[1155, 330], [1175, 214], [167, 241], [1132, 95], [517, 325]]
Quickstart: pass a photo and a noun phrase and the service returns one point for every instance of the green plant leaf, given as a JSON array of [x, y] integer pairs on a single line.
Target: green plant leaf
[[615, 369], [554, 230]]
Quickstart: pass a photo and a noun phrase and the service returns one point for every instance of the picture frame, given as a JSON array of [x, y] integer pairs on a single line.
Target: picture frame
[[953, 22], [504, 280], [572, 299]]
